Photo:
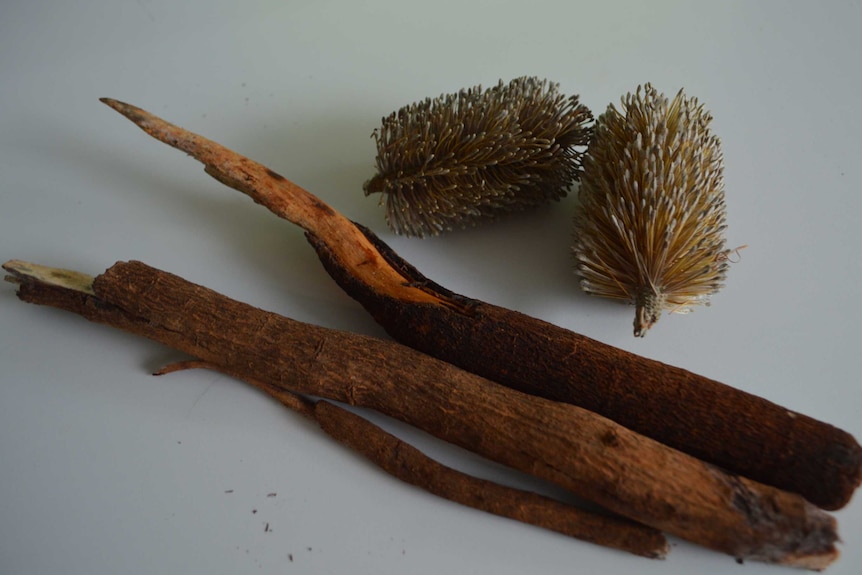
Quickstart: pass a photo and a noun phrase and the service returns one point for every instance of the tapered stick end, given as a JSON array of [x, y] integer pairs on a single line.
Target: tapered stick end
[[21, 271], [133, 113]]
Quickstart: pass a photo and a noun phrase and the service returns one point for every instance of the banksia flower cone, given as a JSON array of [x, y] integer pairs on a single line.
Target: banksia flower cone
[[650, 225], [464, 158]]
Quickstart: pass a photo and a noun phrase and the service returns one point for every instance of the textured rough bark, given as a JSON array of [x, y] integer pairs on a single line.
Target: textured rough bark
[[590, 455], [712, 421], [410, 465]]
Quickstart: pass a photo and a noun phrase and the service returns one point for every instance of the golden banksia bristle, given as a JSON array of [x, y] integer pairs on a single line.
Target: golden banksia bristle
[[649, 228], [460, 159]]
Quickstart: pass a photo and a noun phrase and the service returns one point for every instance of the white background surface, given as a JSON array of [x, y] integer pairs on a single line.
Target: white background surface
[[106, 469]]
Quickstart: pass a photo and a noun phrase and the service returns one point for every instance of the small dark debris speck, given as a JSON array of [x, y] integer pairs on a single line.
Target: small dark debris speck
[[228, 490], [271, 494], [266, 529], [290, 557], [253, 511]]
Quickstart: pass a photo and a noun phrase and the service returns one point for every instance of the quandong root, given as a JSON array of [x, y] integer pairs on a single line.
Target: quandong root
[[402, 460], [712, 421], [586, 453]]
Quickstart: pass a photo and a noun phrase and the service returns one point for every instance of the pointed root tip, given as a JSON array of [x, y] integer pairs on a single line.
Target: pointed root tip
[[115, 104], [14, 267], [133, 113], [21, 271]]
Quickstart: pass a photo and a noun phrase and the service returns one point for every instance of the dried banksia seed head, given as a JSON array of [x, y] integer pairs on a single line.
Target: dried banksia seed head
[[453, 161], [650, 225]]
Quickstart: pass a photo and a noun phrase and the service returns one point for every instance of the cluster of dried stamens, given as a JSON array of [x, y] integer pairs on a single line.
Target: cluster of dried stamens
[[651, 220], [459, 159], [650, 224]]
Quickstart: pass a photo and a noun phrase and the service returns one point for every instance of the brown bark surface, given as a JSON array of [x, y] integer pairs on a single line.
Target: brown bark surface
[[712, 421], [405, 462], [588, 454]]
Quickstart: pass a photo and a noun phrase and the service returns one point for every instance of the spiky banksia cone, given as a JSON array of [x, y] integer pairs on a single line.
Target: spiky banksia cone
[[650, 225], [459, 159]]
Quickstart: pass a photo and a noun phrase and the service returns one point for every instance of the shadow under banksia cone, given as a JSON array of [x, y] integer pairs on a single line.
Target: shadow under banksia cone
[[461, 159]]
